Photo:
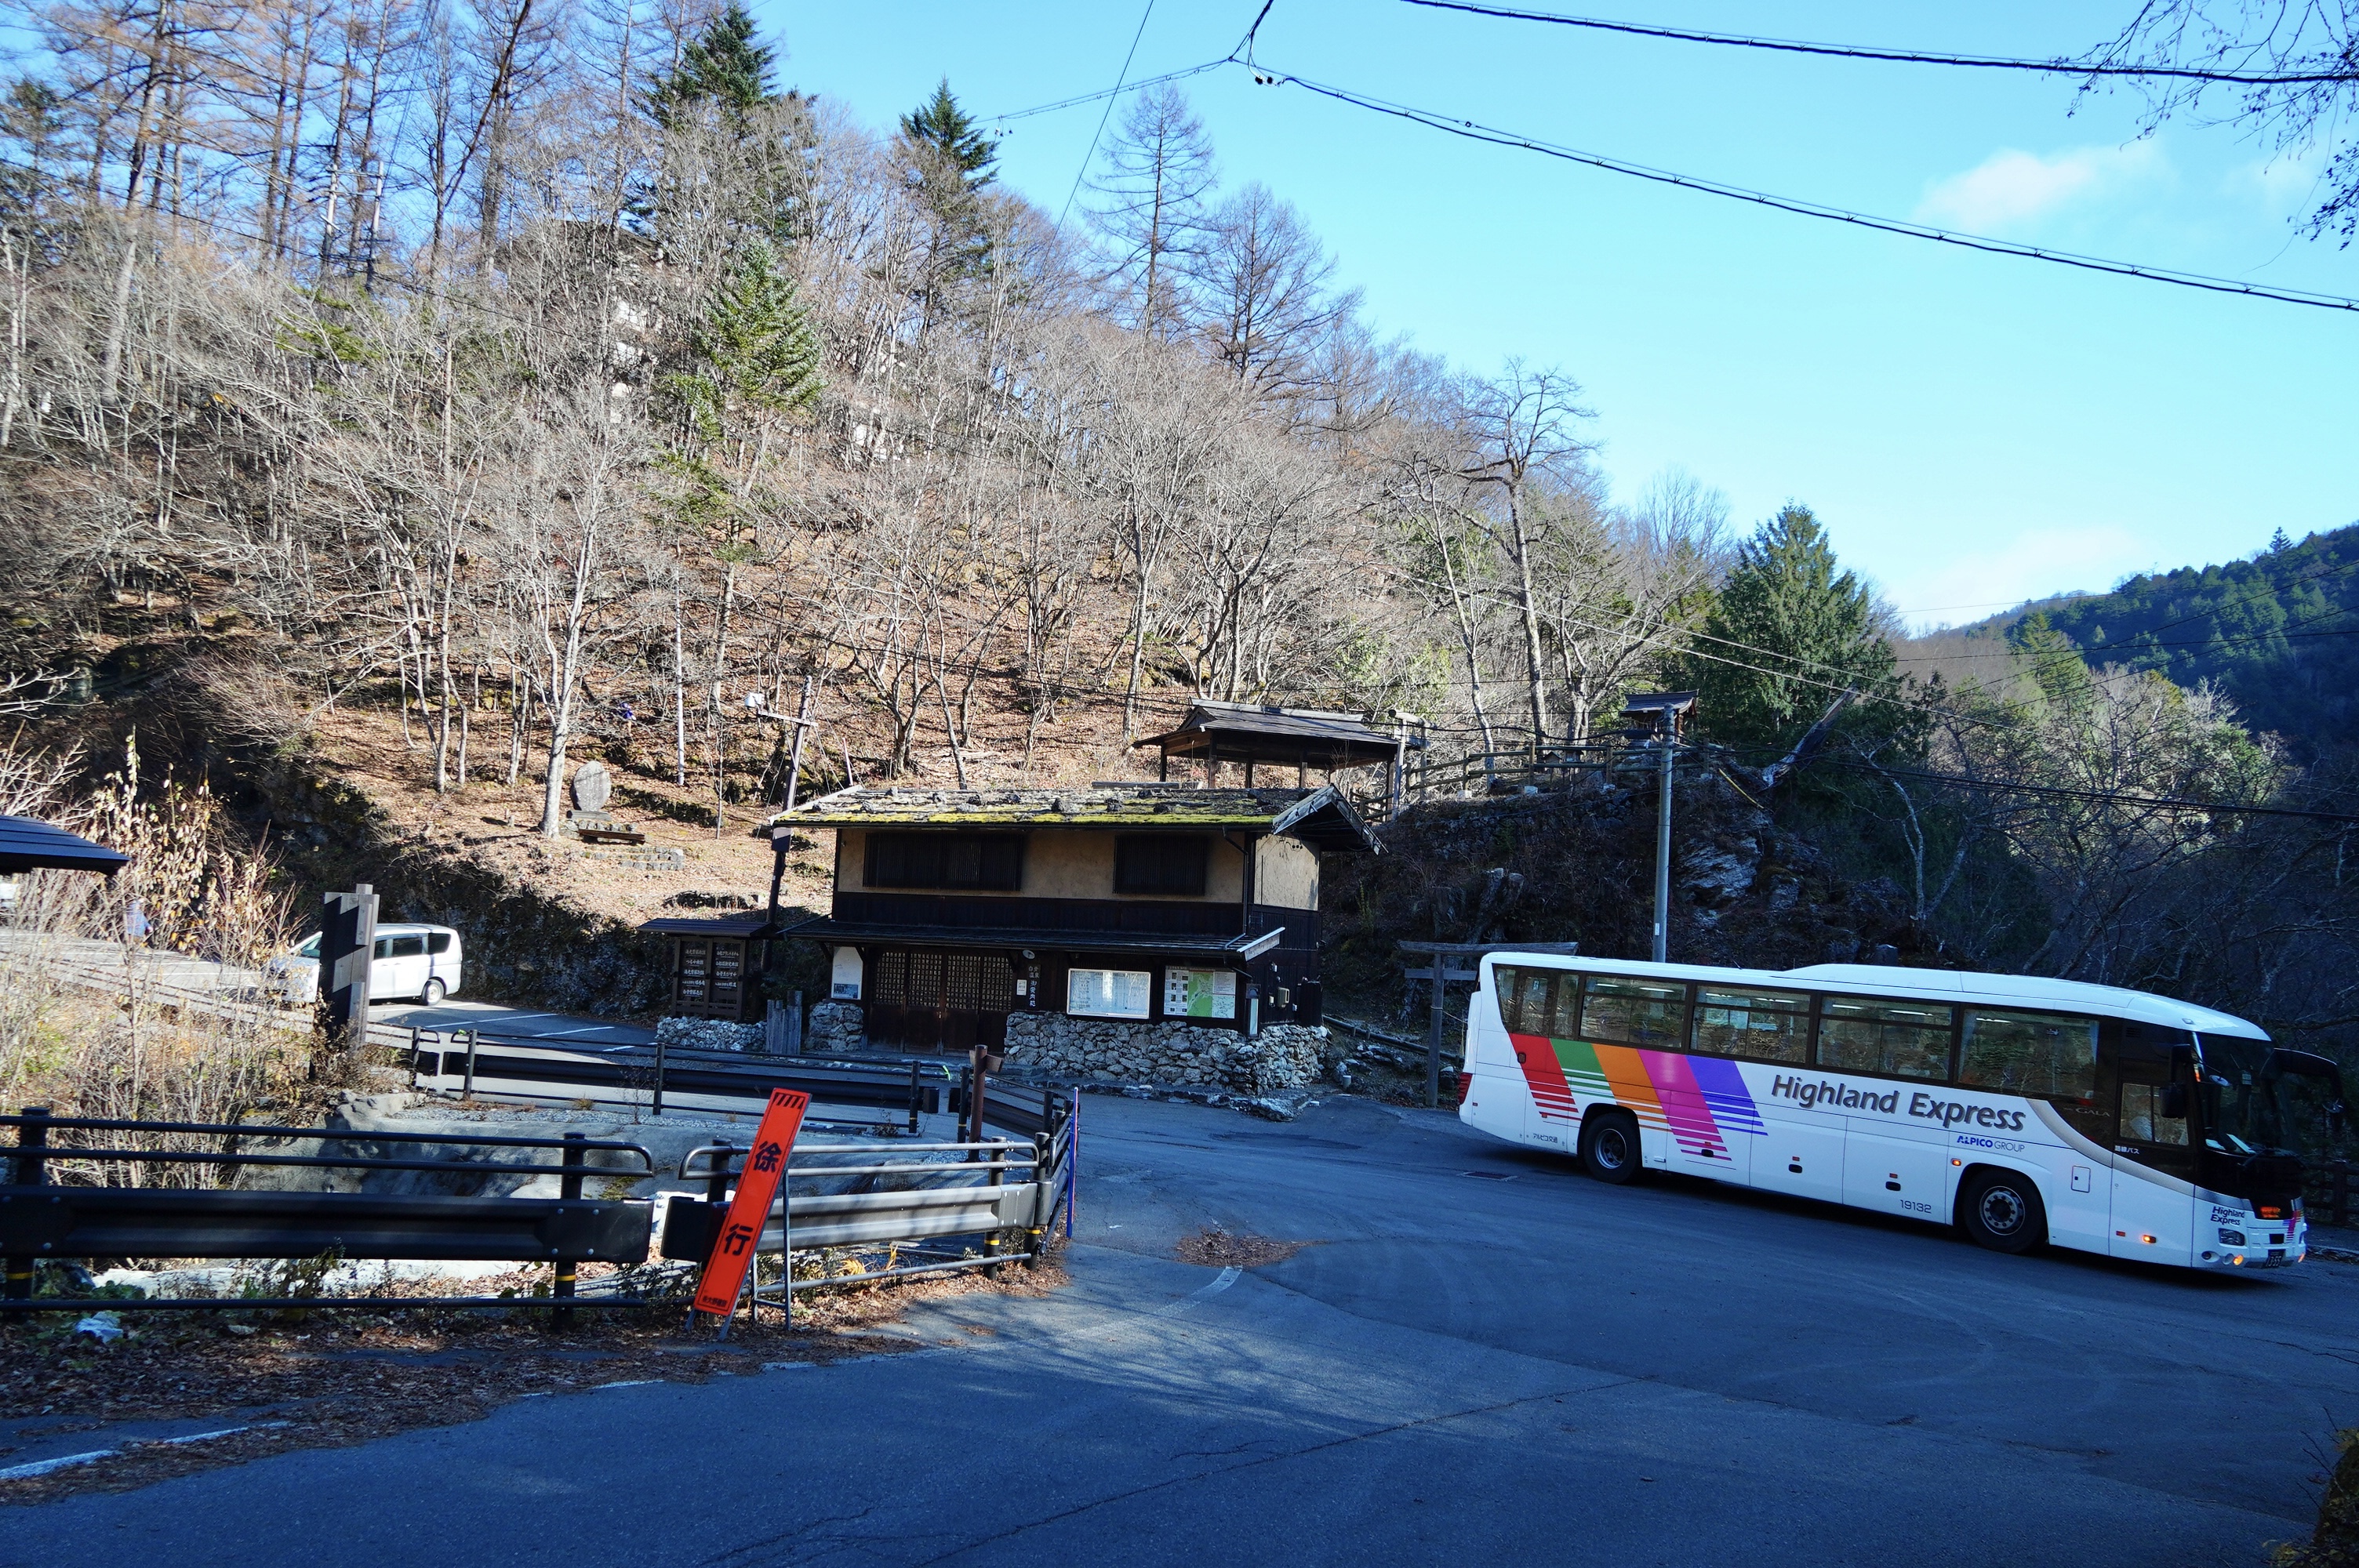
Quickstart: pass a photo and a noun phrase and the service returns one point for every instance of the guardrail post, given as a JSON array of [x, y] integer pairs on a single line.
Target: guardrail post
[[1043, 1173], [655, 1109], [474, 1035], [716, 1181], [569, 1189], [32, 1144], [916, 1099], [413, 1057]]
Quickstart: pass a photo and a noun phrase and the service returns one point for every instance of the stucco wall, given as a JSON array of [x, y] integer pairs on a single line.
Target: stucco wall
[[1286, 873]]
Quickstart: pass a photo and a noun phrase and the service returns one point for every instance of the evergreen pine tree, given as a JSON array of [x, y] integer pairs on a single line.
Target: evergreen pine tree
[[948, 131], [757, 350], [1787, 632], [724, 66]]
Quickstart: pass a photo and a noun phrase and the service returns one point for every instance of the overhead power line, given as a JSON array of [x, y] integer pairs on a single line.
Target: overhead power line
[[1909, 56], [1140, 85], [1475, 131], [1110, 94]]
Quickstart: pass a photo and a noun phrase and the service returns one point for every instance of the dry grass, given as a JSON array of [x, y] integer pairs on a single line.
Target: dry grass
[[1215, 1247], [92, 1023], [338, 1378]]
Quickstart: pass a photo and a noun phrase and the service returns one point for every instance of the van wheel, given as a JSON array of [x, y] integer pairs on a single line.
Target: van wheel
[[434, 993], [2002, 1211], [1609, 1145]]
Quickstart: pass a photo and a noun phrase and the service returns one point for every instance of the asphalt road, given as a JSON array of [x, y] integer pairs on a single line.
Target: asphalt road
[[1536, 1370]]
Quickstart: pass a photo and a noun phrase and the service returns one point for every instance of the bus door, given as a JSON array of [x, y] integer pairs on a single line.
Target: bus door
[[2152, 1132]]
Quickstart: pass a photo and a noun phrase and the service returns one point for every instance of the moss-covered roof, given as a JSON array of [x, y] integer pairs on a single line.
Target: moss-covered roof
[[1321, 817]]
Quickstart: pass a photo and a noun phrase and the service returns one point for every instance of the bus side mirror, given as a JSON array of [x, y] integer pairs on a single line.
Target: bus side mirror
[[2174, 1102]]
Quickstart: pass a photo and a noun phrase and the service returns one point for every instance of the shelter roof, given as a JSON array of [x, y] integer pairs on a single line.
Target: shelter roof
[[1321, 817], [753, 922], [1244, 733], [27, 843]]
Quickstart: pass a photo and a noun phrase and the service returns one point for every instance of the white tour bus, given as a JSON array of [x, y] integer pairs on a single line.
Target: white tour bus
[[2021, 1110]]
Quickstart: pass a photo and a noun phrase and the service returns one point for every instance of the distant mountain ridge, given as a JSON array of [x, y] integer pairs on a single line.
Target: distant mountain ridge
[[2278, 633]]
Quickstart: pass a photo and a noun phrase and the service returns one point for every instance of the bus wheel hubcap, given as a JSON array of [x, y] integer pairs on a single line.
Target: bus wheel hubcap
[[2002, 1210]]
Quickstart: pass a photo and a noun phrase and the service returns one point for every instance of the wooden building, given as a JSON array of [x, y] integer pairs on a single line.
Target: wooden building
[[1302, 740], [1146, 903], [716, 963]]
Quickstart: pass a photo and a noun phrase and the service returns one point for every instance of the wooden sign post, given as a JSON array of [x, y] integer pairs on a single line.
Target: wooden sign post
[[347, 952], [741, 1229]]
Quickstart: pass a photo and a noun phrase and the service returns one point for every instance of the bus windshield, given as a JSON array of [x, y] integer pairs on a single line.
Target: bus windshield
[[2245, 1106]]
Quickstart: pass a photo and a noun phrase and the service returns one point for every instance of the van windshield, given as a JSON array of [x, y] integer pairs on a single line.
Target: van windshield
[[311, 948]]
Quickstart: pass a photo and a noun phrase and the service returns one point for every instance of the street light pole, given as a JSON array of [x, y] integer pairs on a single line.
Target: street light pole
[[1663, 855]]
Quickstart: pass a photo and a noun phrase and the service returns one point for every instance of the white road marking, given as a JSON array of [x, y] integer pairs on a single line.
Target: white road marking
[[43, 1466], [67, 1461]]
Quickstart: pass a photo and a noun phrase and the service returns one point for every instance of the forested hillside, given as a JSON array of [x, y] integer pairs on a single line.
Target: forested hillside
[[2275, 634]]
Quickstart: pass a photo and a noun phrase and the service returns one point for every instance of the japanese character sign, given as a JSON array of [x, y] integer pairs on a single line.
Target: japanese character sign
[[741, 1230]]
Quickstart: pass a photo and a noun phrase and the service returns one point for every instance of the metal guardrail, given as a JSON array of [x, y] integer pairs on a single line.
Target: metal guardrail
[[650, 1077], [42, 1219], [1008, 1184], [1002, 1185]]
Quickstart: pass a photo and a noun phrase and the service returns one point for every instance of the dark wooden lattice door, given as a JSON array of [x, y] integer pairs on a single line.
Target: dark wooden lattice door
[[940, 1001]]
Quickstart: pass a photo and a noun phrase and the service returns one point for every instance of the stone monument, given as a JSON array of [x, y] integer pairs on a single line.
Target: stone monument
[[593, 788]]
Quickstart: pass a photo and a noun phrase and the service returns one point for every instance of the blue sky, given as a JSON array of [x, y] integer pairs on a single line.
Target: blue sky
[[1973, 430]]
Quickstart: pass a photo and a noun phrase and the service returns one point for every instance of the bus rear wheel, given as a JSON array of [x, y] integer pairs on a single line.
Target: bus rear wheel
[[2001, 1210], [1609, 1146]]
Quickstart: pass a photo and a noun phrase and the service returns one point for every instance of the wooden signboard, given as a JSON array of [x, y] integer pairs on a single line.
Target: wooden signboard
[[766, 1167]]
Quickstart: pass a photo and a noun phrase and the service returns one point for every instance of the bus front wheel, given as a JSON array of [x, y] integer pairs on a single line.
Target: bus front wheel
[[2001, 1210], [1609, 1146]]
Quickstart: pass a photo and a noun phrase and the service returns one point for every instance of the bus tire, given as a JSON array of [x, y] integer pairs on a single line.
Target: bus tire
[[2001, 1210], [1609, 1146]]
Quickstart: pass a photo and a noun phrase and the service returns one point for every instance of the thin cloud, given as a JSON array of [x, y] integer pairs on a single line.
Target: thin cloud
[[2012, 188]]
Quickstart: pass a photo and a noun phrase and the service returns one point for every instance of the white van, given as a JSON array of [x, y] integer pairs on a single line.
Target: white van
[[420, 961]]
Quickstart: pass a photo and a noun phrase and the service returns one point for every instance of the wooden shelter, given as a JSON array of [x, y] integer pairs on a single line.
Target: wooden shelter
[[1302, 738], [716, 964]]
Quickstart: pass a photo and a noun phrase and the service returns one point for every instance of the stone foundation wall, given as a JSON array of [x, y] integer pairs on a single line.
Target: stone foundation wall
[[834, 1026], [1285, 1056]]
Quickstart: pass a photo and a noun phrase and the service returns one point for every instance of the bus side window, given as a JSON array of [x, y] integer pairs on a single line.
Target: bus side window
[[1768, 1026], [2045, 1053], [1507, 985], [1537, 986], [2142, 1118], [1564, 1017], [1897, 1039], [1627, 1010]]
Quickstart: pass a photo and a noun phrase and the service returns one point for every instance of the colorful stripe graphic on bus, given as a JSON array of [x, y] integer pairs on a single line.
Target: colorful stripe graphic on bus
[[1699, 1100]]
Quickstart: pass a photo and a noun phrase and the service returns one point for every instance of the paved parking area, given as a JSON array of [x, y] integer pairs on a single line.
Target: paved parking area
[[1480, 1357]]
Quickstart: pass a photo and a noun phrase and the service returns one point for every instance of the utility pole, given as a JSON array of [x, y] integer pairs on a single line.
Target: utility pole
[[1663, 856], [1661, 716]]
